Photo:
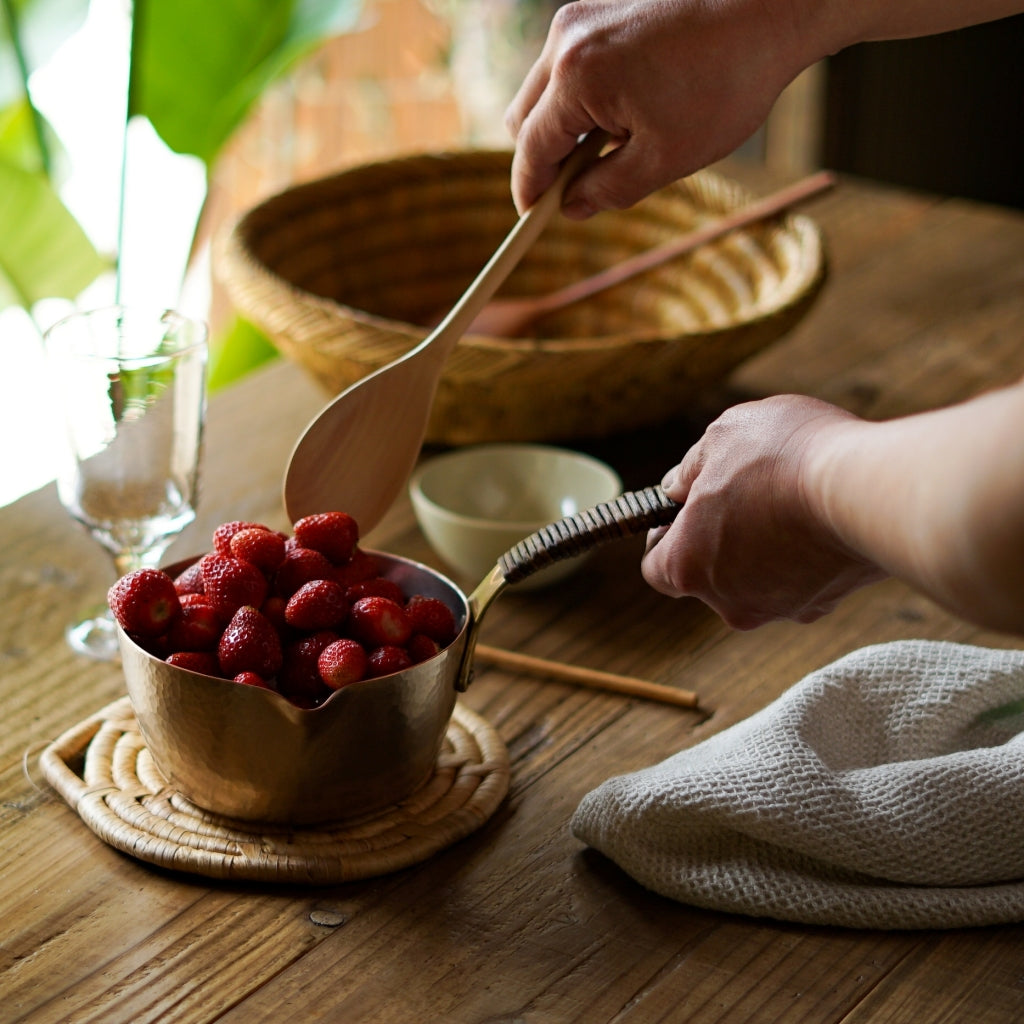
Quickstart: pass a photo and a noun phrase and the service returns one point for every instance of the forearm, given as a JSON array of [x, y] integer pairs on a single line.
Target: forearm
[[835, 24], [935, 499]]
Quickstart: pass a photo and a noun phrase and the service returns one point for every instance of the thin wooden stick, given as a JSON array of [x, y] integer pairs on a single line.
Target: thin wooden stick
[[759, 209], [586, 676]]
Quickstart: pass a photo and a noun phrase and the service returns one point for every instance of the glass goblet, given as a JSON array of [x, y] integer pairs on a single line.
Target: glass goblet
[[131, 384]]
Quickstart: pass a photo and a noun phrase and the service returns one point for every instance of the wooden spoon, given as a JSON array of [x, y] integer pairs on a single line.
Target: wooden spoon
[[508, 318], [357, 454]]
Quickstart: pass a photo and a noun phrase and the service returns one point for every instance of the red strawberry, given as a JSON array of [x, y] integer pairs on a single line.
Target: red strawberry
[[378, 620], [422, 648], [230, 583], [223, 534], [361, 566], [387, 659], [252, 679], [301, 565], [197, 629], [190, 580], [431, 616], [342, 662], [333, 534], [144, 602], [273, 608], [262, 548], [299, 676], [204, 662], [318, 604], [249, 644], [376, 587]]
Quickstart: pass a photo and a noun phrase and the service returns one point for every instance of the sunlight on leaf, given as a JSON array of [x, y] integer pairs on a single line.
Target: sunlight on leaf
[[42, 26], [44, 253], [18, 143], [197, 86], [241, 349]]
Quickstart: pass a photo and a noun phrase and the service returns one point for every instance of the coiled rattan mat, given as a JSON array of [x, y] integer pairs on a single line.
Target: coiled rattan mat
[[102, 768]]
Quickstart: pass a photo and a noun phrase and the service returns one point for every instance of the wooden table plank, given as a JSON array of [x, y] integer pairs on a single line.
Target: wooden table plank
[[518, 921]]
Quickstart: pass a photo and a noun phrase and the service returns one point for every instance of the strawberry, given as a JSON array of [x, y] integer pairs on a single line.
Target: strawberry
[[432, 617], [361, 566], [249, 644], [252, 679], [422, 648], [342, 662], [299, 675], [223, 534], [260, 547], [333, 534], [273, 608], [230, 583], [190, 580], [386, 660], [198, 628], [378, 620], [204, 662], [376, 587], [318, 604], [301, 565], [144, 602]]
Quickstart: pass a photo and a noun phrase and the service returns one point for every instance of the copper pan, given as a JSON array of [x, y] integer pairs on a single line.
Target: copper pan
[[248, 753]]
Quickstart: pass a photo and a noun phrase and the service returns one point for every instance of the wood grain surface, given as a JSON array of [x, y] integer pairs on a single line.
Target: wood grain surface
[[518, 922]]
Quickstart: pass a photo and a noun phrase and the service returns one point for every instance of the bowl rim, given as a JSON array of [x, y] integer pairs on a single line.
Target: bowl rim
[[421, 499]]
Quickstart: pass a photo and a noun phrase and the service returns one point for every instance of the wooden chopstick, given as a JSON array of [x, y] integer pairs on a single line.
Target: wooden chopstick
[[743, 216], [586, 676]]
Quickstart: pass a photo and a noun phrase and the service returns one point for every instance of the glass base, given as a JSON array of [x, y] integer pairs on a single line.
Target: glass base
[[95, 637]]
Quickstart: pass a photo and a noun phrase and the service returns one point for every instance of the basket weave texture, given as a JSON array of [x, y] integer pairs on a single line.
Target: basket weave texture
[[343, 274], [104, 771]]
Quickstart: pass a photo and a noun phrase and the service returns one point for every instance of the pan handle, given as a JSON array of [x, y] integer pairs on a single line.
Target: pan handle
[[632, 512]]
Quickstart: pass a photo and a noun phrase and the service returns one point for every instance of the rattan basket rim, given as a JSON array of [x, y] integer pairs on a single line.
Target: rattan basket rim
[[234, 251]]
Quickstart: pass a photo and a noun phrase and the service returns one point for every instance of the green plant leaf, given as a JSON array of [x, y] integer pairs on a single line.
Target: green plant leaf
[[199, 66], [18, 140], [239, 350], [44, 253], [42, 26]]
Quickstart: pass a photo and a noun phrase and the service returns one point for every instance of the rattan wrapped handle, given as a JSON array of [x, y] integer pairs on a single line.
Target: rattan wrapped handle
[[632, 512]]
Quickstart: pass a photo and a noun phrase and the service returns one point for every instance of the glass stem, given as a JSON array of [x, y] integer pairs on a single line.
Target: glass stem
[[128, 561]]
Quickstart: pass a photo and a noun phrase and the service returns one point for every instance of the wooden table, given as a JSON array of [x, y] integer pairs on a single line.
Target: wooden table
[[518, 922]]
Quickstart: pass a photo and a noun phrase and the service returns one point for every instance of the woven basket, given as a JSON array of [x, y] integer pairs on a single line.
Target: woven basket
[[343, 272]]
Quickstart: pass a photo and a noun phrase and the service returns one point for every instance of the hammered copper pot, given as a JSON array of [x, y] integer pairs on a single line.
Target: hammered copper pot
[[248, 753]]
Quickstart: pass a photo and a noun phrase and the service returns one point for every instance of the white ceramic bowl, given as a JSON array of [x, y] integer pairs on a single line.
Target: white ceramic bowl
[[473, 504]]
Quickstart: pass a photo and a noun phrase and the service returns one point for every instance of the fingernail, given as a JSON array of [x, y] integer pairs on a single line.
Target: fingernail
[[668, 479]]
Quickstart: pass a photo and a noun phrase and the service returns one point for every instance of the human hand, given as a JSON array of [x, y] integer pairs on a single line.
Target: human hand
[[752, 540], [677, 83]]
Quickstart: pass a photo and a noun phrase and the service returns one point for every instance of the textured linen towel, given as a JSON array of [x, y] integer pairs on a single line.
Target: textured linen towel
[[869, 795]]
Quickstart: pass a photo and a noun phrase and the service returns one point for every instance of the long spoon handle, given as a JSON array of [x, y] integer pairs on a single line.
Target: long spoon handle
[[525, 232]]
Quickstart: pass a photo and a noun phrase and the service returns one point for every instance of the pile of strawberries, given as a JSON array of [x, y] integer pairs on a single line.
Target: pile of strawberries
[[303, 615]]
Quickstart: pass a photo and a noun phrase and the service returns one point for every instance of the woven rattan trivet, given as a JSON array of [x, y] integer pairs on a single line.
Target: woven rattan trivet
[[102, 768]]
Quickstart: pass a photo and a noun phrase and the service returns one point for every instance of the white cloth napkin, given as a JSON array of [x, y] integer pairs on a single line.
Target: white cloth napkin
[[869, 795]]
